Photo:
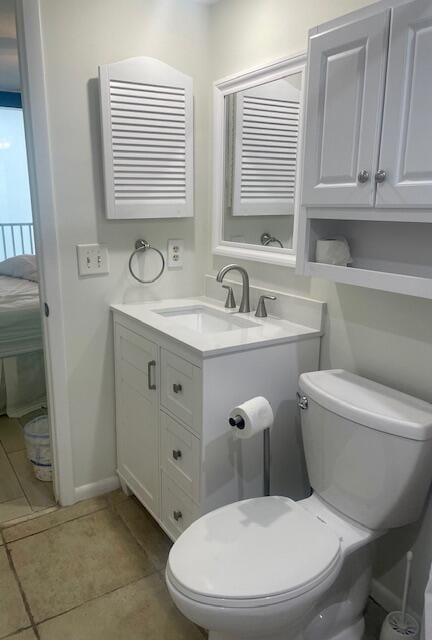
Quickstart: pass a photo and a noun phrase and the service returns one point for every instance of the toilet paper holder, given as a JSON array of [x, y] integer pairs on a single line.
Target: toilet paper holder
[[238, 423]]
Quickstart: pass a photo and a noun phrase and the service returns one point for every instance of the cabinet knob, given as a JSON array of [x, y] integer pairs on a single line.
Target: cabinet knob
[[177, 388], [177, 515], [176, 454], [363, 176], [380, 176]]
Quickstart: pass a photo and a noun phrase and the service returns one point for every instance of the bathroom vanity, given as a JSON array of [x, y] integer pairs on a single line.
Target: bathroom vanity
[[181, 366]]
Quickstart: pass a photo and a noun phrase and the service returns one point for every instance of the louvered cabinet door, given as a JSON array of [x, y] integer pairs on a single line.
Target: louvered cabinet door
[[147, 134], [265, 149]]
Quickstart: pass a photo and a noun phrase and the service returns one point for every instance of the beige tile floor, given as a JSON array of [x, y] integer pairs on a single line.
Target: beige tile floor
[[21, 493], [93, 571]]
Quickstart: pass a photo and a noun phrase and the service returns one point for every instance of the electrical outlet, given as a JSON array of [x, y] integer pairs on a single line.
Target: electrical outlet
[[175, 251], [92, 259]]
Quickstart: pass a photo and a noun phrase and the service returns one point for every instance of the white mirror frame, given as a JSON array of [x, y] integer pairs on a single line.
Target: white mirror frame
[[222, 88]]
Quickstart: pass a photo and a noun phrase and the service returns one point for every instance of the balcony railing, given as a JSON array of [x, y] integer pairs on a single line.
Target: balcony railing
[[16, 238]]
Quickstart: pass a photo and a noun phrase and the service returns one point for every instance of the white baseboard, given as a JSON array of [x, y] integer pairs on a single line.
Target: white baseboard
[[98, 488], [386, 598], [389, 600]]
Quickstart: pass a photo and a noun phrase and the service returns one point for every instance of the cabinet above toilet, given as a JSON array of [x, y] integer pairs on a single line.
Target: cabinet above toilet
[[367, 168]]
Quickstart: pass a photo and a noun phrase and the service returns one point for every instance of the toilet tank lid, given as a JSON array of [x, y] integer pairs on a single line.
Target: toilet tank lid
[[369, 403]]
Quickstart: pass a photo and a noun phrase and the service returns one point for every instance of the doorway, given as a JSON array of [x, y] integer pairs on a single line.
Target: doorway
[[25, 472]]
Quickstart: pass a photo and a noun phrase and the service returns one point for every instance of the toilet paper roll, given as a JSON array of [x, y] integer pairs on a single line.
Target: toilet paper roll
[[333, 251], [257, 415]]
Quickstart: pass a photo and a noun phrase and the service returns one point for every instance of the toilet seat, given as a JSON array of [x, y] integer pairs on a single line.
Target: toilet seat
[[254, 553]]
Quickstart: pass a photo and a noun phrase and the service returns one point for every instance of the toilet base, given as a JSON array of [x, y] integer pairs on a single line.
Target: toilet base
[[354, 632]]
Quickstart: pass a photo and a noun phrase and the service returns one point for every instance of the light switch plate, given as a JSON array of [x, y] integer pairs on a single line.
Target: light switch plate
[[92, 259], [175, 251]]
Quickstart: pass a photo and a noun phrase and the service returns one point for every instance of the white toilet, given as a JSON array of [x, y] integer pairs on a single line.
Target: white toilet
[[274, 569]]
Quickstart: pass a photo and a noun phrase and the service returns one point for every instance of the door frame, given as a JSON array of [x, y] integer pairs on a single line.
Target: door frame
[[35, 111]]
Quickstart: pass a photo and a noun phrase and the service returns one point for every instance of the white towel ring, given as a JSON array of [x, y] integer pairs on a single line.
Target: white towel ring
[[143, 245]]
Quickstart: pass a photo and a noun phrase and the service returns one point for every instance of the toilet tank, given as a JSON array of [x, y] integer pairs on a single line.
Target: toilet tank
[[368, 447]]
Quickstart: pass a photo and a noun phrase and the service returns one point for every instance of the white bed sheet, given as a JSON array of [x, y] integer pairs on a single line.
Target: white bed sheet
[[20, 318]]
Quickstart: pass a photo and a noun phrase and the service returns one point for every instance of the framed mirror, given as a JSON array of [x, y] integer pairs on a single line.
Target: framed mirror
[[257, 138]]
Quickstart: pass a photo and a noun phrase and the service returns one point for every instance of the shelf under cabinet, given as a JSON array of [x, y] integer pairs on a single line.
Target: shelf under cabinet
[[392, 256], [372, 215], [372, 279]]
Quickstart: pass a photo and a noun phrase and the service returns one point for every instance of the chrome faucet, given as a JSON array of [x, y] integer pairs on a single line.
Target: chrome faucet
[[244, 304]]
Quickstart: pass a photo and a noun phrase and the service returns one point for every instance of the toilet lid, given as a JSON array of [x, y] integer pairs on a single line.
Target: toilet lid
[[260, 548]]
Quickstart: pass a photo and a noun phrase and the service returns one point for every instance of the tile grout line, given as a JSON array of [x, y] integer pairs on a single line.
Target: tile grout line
[[16, 476], [20, 587], [54, 526], [33, 510], [101, 595]]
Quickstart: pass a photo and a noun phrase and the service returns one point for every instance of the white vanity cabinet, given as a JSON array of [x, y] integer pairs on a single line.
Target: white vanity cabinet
[[367, 161], [137, 413], [175, 449]]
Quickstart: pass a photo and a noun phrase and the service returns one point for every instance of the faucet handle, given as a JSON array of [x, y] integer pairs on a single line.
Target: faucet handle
[[230, 302], [261, 311]]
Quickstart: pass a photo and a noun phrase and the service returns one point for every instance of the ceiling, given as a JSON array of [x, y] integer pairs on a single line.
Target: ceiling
[[9, 69]]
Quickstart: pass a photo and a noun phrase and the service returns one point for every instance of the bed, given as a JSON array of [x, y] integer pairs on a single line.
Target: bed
[[22, 377]]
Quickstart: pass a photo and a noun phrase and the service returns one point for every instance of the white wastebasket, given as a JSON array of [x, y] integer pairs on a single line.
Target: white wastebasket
[[38, 445]]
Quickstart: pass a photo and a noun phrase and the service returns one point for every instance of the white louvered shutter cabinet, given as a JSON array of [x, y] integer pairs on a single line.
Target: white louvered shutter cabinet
[[265, 149], [147, 136]]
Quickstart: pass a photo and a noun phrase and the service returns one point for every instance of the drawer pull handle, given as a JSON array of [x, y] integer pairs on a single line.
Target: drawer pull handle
[[150, 367], [176, 454], [177, 388], [177, 515]]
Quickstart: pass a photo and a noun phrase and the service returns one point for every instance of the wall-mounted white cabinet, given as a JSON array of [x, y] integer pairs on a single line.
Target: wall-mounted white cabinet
[[406, 145], [367, 153], [346, 75], [147, 138], [175, 449]]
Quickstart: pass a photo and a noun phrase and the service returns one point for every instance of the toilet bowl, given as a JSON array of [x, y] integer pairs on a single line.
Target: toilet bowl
[[260, 567], [274, 569]]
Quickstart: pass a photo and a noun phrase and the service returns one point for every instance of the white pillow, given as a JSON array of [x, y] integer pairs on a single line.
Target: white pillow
[[20, 267]]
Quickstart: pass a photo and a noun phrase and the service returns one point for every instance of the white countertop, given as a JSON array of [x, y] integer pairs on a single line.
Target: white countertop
[[269, 331]]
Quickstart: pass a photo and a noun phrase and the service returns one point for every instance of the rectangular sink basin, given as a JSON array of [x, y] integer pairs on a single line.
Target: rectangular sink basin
[[207, 320]]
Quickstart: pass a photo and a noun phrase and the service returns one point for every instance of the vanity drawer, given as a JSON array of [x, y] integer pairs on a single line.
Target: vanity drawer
[[181, 389], [178, 510], [180, 455]]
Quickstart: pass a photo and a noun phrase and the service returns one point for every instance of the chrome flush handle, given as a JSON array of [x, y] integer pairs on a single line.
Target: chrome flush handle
[[302, 401]]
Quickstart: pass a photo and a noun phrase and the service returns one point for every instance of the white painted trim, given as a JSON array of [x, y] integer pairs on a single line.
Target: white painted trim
[[35, 109], [97, 488], [221, 88], [255, 253]]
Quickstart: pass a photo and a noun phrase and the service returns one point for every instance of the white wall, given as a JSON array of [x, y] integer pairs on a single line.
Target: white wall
[[78, 36], [384, 336]]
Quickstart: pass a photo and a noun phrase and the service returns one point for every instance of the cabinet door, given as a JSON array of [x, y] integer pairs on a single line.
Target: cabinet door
[[346, 77], [406, 148], [137, 413]]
